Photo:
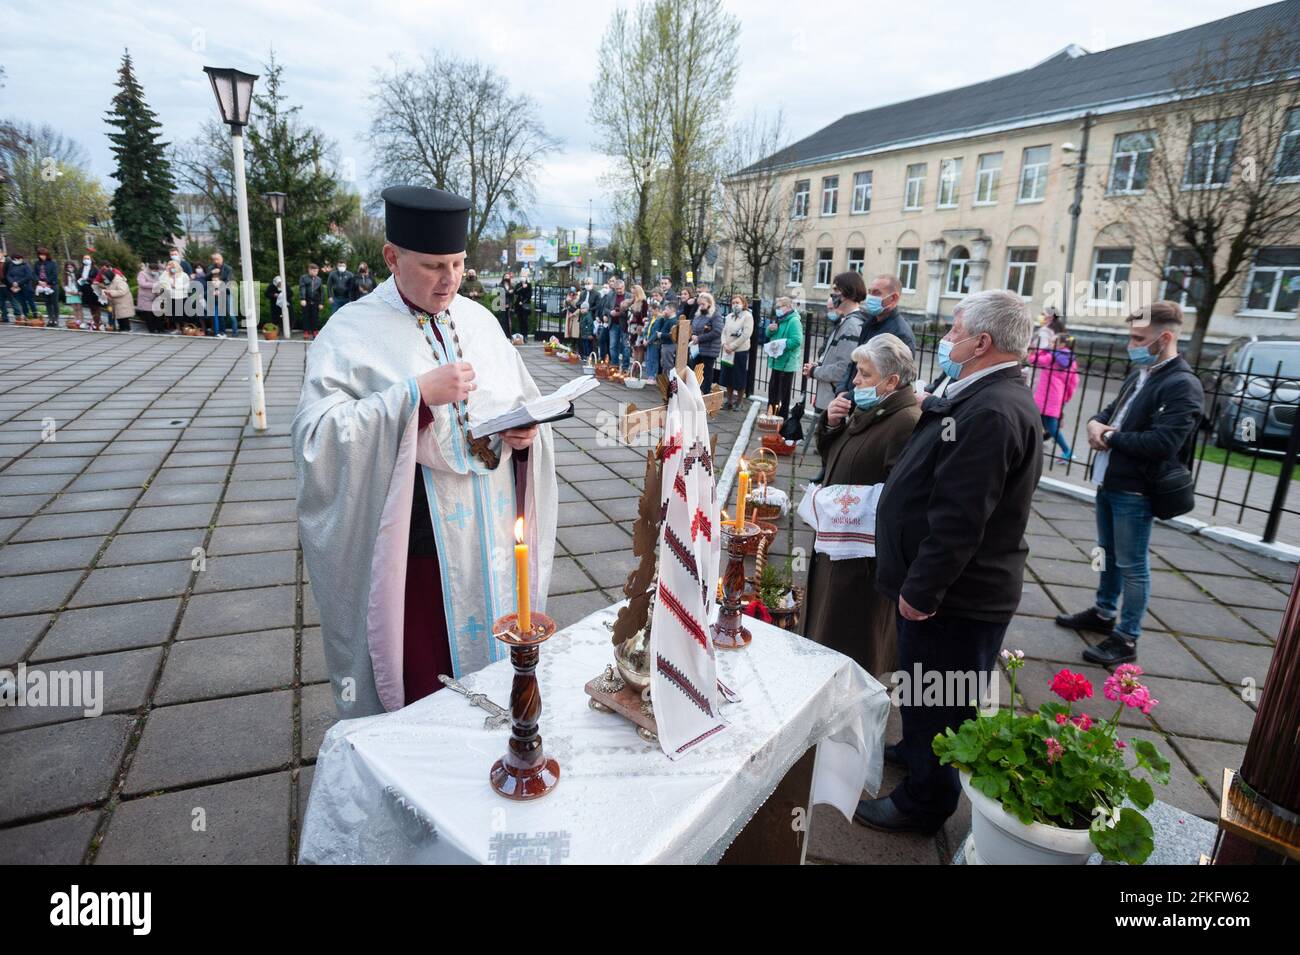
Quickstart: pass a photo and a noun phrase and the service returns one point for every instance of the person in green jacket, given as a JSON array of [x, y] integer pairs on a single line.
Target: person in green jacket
[[785, 326]]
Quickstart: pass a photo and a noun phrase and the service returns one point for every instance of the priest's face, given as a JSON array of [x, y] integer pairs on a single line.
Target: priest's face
[[430, 281]]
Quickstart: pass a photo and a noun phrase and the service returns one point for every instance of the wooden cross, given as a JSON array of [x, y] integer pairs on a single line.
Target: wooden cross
[[683, 343]]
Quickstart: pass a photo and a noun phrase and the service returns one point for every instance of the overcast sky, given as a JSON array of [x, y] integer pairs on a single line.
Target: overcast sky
[[816, 60]]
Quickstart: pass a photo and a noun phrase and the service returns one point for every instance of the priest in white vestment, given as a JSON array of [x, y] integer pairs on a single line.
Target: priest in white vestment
[[407, 527]]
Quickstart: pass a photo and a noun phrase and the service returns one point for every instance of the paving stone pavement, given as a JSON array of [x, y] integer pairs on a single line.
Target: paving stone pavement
[[215, 684]]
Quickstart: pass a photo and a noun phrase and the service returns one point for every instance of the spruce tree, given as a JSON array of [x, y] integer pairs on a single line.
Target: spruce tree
[[144, 214]]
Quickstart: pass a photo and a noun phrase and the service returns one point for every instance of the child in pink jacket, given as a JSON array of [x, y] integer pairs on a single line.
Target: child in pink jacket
[[1057, 379]]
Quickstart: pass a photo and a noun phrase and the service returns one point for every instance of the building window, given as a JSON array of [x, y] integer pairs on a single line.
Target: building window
[[1183, 282], [909, 261], [824, 260], [796, 266], [1033, 173], [801, 193], [1288, 147], [1021, 266], [949, 181], [1275, 281], [914, 192], [862, 191], [1110, 271], [1209, 156], [830, 195], [857, 260], [987, 176], [958, 272], [1130, 164]]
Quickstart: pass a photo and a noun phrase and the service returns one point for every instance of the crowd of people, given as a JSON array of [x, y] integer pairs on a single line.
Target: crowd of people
[[953, 465], [168, 295]]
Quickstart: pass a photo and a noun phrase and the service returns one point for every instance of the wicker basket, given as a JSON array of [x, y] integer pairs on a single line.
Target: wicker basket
[[763, 464]]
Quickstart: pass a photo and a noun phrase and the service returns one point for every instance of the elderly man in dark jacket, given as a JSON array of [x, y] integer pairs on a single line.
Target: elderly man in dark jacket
[[950, 546], [1149, 428]]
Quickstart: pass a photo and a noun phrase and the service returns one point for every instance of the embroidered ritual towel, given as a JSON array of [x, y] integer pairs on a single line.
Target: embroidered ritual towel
[[684, 682], [844, 517]]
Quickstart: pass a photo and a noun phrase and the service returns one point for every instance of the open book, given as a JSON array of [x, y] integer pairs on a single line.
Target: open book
[[553, 407]]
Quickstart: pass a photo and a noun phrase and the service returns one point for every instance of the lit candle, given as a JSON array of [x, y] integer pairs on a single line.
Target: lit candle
[[521, 578], [742, 494]]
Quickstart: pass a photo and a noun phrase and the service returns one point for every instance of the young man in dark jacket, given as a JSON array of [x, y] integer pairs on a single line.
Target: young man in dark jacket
[[1149, 427], [950, 545]]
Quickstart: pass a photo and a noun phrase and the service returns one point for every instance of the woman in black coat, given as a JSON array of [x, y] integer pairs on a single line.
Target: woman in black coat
[[860, 438]]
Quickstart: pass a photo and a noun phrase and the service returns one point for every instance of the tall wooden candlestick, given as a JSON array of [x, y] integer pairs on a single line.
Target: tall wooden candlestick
[[525, 771], [729, 633]]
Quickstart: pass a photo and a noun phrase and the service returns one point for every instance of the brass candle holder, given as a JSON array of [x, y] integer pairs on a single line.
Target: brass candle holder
[[525, 771], [729, 633]]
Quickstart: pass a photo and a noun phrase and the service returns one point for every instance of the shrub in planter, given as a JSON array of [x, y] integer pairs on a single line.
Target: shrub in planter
[[1065, 769]]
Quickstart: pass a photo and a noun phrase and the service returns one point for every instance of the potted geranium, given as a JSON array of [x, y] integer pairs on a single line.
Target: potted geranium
[[1052, 786], [271, 331]]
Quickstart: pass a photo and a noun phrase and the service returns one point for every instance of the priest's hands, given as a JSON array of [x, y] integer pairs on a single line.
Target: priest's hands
[[520, 438], [442, 386]]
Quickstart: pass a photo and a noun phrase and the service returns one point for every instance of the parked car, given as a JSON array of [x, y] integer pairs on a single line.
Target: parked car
[[1255, 394]]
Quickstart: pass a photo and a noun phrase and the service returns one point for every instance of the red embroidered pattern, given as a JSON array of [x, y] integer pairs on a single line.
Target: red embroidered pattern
[[678, 679], [681, 552], [672, 603], [699, 523]]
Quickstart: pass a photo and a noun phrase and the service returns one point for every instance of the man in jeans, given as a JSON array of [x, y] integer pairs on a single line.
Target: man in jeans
[[1149, 426]]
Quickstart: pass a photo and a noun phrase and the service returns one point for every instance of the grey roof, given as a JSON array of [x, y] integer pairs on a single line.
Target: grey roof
[[1065, 82]]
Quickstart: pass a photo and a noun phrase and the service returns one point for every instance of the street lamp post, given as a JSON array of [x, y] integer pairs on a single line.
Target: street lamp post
[[234, 92], [277, 201]]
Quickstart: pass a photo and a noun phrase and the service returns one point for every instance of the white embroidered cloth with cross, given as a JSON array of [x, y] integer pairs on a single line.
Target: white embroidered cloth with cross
[[844, 517]]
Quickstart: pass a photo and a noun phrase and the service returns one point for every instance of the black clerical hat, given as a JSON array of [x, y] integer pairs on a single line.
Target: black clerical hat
[[421, 219]]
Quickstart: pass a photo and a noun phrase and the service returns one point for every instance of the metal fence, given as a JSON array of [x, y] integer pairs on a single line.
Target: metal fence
[[1249, 426]]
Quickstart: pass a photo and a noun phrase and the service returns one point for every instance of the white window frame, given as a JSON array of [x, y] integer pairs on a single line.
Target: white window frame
[[1134, 157], [987, 179], [857, 263], [1290, 138], [1112, 283], [825, 265], [796, 267], [1181, 298], [1278, 271], [909, 265], [914, 178], [963, 273], [1034, 174], [802, 196], [1022, 268], [950, 183], [1215, 144], [830, 191], [861, 192]]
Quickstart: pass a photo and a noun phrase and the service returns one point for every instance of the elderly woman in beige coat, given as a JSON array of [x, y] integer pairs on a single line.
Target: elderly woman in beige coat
[[118, 292], [860, 438]]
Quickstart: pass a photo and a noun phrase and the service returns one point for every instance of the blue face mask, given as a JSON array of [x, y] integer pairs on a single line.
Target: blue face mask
[[1139, 355], [833, 317], [950, 368], [874, 305], [866, 398]]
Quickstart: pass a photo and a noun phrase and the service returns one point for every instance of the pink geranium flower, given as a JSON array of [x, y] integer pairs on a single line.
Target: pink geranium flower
[[1054, 749], [1071, 686], [1083, 721], [1060, 719], [1124, 685]]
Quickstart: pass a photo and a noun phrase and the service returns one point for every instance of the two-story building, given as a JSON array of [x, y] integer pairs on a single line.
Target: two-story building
[[972, 188]]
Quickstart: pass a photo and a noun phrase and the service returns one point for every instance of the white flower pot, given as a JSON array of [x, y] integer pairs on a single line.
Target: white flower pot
[[999, 838]]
